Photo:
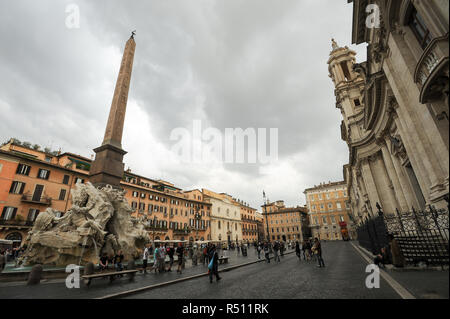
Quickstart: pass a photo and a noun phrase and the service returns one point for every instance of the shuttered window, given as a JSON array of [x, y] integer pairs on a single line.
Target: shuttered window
[[17, 188]]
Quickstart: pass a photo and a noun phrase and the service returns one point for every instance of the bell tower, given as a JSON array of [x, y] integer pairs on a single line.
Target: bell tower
[[348, 79]]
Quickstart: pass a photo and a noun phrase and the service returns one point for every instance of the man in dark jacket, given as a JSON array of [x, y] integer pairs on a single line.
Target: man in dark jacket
[[318, 251], [214, 271]]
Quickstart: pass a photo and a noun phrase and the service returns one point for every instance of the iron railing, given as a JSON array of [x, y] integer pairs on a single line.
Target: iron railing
[[422, 236]]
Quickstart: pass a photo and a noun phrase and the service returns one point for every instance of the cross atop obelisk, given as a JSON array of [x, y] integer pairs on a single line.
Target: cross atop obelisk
[[108, 165]]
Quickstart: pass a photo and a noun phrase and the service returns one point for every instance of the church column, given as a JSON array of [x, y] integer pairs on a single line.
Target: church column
[[371, 188], [392, 173], [410, 197]]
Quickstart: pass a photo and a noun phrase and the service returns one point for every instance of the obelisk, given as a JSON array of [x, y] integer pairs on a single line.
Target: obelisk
[[108, 165]]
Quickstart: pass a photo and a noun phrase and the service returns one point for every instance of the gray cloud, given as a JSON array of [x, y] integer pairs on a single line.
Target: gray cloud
[[229, 63]]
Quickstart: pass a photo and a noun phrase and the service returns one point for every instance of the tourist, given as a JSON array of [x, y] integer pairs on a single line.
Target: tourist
[[258, 250], [266, 252], [205, 255], [180, 255], [318, 252], [282, 249], [297, 250], [276, 248], [170, 252], [162, 258], [145, 256], [214, 265], [304, 250], [155, 258], [382, 258], [118, 261], [103, 264]]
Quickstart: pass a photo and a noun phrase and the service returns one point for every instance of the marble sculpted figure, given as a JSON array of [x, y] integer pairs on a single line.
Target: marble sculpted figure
[[98, 222]]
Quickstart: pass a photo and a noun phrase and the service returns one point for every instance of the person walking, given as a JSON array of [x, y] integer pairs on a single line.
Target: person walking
[[276, 248], [318, 252], [162, 259], [297, 250], [258, 250], [180, 255], [145, 256], [266, 252], [170, 252], [214, 265], [156, 259]]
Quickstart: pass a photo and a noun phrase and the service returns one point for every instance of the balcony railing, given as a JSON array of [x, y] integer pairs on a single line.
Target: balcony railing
[[42, 200], [433, 62], [181, 231], [14, 222]]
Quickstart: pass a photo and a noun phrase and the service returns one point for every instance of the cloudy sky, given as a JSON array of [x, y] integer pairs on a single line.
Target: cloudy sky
[[228, 63]]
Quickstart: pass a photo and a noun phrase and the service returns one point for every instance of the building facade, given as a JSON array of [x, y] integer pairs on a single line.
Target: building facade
[[285, 223], [395, 107], [249, 222], [260, 226], [226, 222], [329, 211], [32, 180]]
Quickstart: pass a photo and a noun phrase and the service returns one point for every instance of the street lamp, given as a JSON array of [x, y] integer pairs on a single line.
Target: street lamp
[[198, 218], [267, 217]]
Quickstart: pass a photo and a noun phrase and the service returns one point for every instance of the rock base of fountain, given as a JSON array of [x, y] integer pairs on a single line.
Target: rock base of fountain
[[98, 222]]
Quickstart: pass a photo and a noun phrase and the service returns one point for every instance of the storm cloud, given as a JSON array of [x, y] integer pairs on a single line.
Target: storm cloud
[[231, 64]]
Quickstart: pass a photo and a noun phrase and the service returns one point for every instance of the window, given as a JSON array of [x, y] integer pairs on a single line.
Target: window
[[32, 214], [43, 174], [134, 205], [17, 188], [333, 219], [419, 28], [320, 196], [142, 195], [135, 194], [150, 208], [219, 225], [23, 169], [141, 206], [8, 213], [150, 196], [62, 194], [357, 102], [311, 198], [77, 179], [324, 220], [66, 179], [330, 206], [341, 218], [328, 196], [339, 207]]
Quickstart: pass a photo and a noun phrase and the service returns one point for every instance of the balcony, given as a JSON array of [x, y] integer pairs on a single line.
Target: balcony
[[430, 73], [16, 223], [156, 228], [181, 231], [43, 200]]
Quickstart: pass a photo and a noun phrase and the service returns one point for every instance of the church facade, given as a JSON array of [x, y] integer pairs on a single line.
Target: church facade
[[395, 107]]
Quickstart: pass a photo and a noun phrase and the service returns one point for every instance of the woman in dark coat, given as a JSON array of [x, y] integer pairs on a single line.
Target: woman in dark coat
[[214, 271], [297, 250]]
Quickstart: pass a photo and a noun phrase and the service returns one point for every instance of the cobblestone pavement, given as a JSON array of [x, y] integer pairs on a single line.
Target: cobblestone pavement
[[343, 277], [99, 287]]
